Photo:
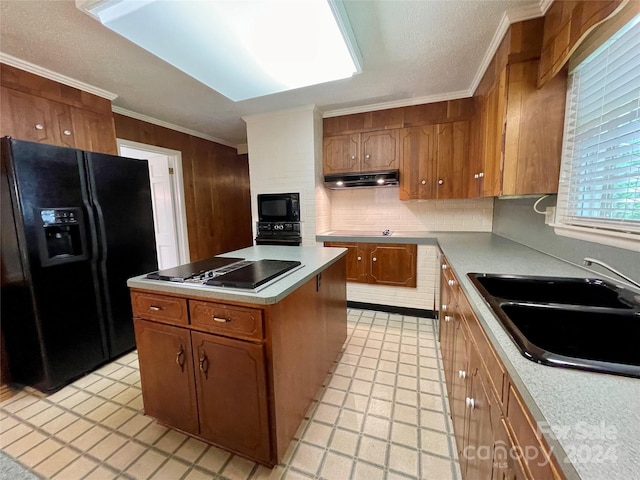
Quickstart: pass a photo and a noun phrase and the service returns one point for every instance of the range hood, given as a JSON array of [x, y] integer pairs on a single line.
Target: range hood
[[338, 181]]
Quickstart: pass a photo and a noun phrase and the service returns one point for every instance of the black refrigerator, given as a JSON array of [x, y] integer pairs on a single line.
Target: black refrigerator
[[75, 226]]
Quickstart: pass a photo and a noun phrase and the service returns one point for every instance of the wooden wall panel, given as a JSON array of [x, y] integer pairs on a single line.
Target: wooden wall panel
[[216, 187], [566, 24]]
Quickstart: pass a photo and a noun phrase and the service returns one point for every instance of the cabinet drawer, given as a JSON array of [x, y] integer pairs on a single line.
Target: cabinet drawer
[[162, 308], [226, 320]]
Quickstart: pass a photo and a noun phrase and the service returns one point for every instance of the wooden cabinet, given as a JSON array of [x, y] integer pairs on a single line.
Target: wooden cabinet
[[361, 152], [166, 373], [433, 161], [232, 393], [491, 423], [521, 125], [380, 263]]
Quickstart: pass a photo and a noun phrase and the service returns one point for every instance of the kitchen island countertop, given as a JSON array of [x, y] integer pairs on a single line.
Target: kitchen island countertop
[[590, 420], [313, 259]]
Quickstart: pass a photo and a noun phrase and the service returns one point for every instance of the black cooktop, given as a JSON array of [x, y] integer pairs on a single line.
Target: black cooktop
[[192, 270], [254, 274]]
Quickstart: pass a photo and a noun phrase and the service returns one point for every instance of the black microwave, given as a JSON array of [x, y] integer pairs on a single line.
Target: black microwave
[[279, 207]]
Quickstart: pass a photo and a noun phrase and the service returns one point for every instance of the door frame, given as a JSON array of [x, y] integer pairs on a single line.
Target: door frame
[[177, 191]]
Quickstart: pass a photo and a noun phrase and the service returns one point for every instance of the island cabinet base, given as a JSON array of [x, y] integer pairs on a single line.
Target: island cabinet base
[[239, 376]]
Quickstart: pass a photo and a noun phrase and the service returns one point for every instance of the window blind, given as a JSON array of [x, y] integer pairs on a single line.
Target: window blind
[[600, 170]]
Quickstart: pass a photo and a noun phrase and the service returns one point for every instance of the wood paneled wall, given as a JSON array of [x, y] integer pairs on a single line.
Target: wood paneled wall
[[216, 187], [566, 24]]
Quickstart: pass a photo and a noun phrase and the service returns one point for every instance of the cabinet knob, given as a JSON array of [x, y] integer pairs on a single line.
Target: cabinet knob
[[470, 403], [444, 307], [447, 318], [476, 176], [367, 156], [375, 259], [423, 182], [440, 182], [67, 132], [444, 266], [353, 157], [481, 174], [451, 283], [359, 258], [462, 374], [39, 126]]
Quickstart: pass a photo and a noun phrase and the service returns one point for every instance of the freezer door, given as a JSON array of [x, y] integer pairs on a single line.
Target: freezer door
[[51, 314], [121, 194]]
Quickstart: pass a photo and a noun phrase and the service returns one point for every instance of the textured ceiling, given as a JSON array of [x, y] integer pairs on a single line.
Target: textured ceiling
[[412, 51]]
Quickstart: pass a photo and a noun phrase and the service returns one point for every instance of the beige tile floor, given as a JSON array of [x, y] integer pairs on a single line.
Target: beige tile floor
[[381, 414]]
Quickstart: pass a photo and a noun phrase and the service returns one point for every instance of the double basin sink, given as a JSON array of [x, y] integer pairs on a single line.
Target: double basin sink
[[582, 323]]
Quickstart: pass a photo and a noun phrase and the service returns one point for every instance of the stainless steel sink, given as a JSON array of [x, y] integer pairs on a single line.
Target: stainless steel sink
[[588, 324]]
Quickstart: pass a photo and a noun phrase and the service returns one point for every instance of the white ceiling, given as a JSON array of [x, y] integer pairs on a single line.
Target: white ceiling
[[412, 52]]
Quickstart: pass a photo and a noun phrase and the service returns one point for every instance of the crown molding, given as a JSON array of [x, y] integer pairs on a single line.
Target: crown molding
[[171, 126], [56, 77]]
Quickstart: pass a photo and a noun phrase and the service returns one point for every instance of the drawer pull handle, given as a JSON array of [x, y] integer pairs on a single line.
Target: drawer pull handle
[[444, 307], [221, 320], [155, 308], [451, 283], [462, 374], [447, 318], [470, 402], [180, 358], [204, 364]]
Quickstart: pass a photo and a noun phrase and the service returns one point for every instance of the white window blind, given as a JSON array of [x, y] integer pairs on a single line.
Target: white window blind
[[599, 187]]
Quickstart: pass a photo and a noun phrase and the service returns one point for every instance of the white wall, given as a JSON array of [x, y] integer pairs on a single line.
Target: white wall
[[283, 147]]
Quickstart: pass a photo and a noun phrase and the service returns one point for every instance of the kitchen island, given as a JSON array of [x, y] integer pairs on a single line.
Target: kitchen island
[[239, 368]]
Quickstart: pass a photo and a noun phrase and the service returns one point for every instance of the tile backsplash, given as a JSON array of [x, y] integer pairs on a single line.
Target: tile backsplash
[[380, 208]]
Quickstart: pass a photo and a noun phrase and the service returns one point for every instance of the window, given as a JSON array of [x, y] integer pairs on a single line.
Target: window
[[599, 191]]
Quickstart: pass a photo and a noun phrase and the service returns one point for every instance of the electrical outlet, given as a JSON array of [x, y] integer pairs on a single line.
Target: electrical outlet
[[549, 216]]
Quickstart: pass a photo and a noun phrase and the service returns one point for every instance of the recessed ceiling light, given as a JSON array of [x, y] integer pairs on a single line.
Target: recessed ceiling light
[[242, 49]]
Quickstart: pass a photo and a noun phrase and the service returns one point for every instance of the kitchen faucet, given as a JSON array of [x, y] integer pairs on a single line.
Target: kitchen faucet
[[588, 261]]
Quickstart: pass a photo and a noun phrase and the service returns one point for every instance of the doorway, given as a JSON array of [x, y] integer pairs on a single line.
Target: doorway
[[167, 194]]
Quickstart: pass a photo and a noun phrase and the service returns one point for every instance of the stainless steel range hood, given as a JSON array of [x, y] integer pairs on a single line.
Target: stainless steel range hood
[[339, 181]]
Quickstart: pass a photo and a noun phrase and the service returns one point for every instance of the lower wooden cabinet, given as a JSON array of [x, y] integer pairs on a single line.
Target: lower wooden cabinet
[[491, 423], [167, 376], [380, 263], [231, 389]]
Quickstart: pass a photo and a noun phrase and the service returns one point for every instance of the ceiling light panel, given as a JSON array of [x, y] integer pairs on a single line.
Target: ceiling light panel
[[242, 49]]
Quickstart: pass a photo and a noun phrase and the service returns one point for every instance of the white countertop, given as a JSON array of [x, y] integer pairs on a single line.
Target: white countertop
[[314, 260], [593, 418]]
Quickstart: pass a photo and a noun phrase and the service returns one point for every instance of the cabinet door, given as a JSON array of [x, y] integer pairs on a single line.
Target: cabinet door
[[453, 157], [393, 264], [459, 381], [341, 154], [493, 128], [232, 394], [477, 458], [379, 151], [356, 260], [36, 119], [166, 374], [533, 136], [94, 132], [418, 163]]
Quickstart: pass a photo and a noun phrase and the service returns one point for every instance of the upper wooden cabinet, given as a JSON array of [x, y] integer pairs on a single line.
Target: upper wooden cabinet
[[433, 160], [520, 126], [361, 152], [41, 110]]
